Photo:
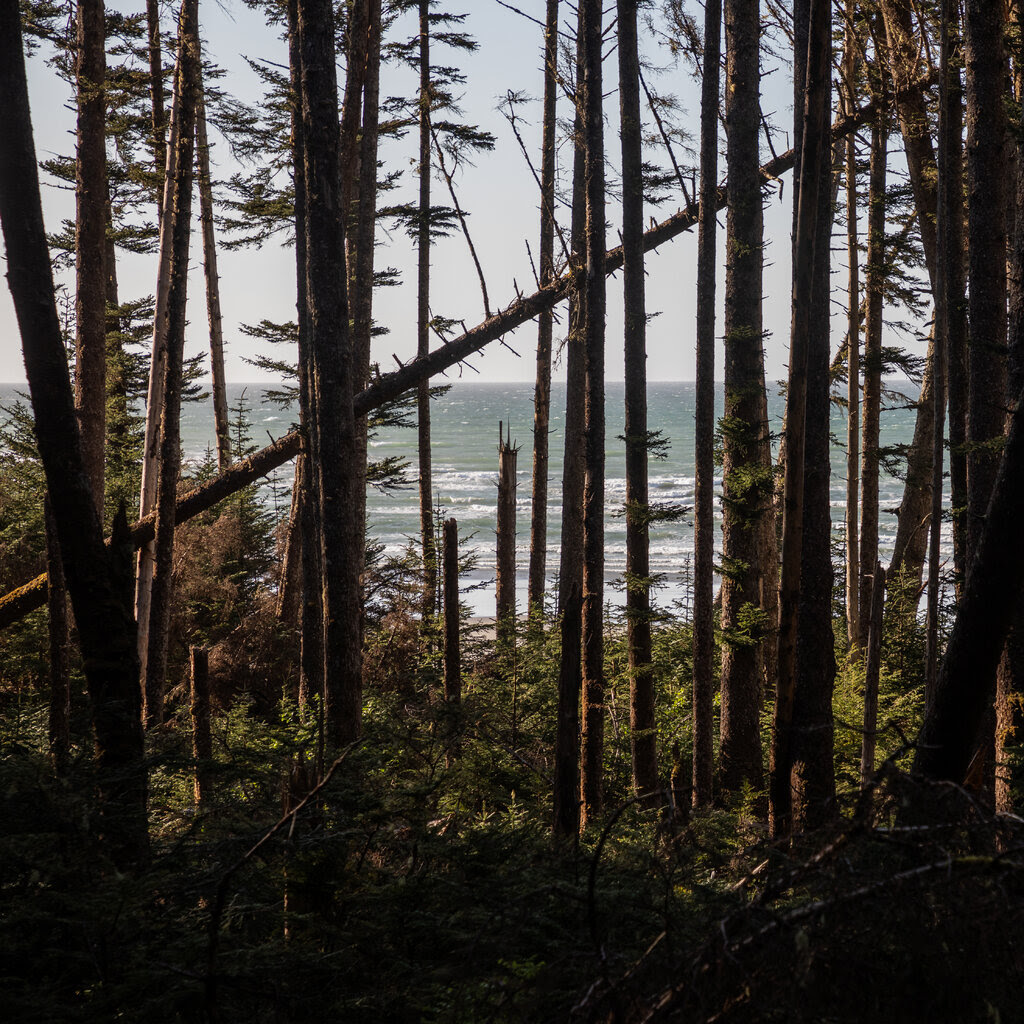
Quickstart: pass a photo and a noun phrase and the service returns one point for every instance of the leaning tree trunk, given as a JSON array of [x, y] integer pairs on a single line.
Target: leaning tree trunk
[[704, 438], [222, 425], [177, 221], [90, 241], [97, 577], [592, 737], [545, 323]]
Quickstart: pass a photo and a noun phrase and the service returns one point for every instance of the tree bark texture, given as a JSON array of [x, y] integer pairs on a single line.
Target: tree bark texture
[[704, 436], [90, 241], [452, 648], [537, 583], [331, 365], [592, 739], [199, 709], [643, 735], [311, 616], [505, 551], [101, 606], [872, 671], [156, 95], [986, 225], [747, 469], [222, 424], [423, 321], [799, 787], [813, 771], [874, 301], [177, 220], [60, 639], [853, 610]]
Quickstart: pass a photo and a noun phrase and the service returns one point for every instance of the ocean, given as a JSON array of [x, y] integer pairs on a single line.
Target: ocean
[[464, 425]]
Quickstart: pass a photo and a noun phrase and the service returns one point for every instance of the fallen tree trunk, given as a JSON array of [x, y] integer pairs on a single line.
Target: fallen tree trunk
[[32, 595]]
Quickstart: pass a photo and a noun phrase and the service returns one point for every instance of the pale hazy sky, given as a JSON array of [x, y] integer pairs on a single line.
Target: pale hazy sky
[[499, 191]]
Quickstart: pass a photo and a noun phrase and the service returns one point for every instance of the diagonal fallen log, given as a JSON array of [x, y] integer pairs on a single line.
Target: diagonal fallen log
[[18, 603]]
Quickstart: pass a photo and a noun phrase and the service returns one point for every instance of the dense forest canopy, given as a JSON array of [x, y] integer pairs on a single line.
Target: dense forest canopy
[[254, 766]]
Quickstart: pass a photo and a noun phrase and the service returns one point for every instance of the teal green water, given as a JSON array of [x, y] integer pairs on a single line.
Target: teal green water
[[465, 458]]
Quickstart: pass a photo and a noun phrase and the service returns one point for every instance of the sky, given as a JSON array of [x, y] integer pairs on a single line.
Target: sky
[[499, 192]]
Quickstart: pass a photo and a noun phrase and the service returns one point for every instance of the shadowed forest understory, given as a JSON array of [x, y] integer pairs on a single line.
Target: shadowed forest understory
[[253, 766]]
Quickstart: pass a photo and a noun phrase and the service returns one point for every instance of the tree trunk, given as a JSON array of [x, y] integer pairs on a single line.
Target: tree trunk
[[853, 610], [643, 735], [570, 575], [331, 365], [157, 371], [423, 322], [220, 397], [874, 302], [592, 739], [986, 211], [505, 597], [872, 670], [542, 390], [747, 469], [202, 744], [98, 593], [361, 273], [156, 94], [90, 241], [813, 770], [704, 436], [799, 733], [177, 221], [311, 616], [452, 650], [966, 684], [59, 636]]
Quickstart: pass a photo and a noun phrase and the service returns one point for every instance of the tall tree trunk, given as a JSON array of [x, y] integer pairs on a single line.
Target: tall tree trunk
[[452, 649], [956, 339], [813, 770], [155, 391], [704, 436], [90, 241], [966, 683], [222, 425], [59, 636], [799, 789], [311, 659], [95, 577], [361, 268], [643, 735], [948, 260], [177, 220], [874, 302], [986, 212], [423, 320], [570, 574], [747, 470], [331, 365], [853, 609], [505, 547], [156, 96], [542, 391], [592, 738]]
